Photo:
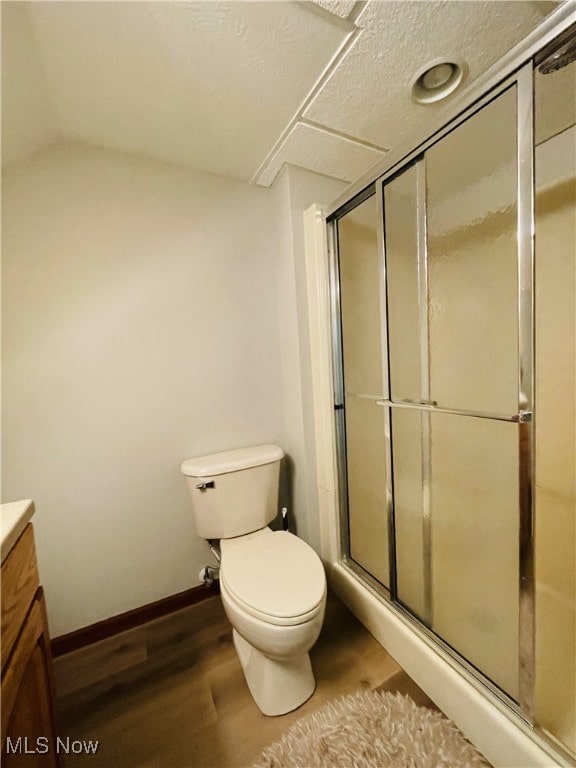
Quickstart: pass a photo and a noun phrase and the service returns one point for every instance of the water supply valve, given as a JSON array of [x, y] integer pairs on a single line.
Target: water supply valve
[[208, 574]]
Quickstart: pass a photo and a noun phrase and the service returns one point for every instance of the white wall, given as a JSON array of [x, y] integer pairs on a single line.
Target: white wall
[[295, 190], [140, 328], [28, 121]]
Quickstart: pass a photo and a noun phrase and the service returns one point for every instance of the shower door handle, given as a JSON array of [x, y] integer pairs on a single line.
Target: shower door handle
[[522, 417]]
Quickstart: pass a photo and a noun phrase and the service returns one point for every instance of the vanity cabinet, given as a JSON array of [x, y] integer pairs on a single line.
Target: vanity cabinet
[[27, 717]]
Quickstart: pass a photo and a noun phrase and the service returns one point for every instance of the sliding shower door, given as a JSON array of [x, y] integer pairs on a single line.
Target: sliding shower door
[[452, 279], [436, 399], [364, 383], [454, 286], [472, 260]]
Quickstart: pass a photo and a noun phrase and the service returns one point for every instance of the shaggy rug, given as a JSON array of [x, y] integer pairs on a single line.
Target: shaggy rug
[[372, 729]]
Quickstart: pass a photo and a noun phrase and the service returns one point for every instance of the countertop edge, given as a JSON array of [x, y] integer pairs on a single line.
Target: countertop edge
[[14, 517]]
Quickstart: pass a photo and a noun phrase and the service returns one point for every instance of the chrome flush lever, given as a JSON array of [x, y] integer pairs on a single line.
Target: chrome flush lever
[[205, 486]]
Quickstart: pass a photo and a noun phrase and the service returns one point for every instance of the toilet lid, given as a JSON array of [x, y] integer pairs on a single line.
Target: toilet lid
[[278, 575]]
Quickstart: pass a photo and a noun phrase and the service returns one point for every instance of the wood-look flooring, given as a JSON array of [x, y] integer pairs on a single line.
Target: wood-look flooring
[[171, 693]]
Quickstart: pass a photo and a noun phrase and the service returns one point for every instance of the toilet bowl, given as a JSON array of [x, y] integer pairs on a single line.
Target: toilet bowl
[[273, 590], [272, 584]]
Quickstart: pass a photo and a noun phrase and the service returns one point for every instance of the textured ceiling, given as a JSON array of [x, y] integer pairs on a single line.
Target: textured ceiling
[[206, 85], [399, 39], [239, 88]]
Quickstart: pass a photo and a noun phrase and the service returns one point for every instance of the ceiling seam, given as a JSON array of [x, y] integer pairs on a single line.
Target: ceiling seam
[[331, 16], [346, 45], [343, 135], [357, 10]]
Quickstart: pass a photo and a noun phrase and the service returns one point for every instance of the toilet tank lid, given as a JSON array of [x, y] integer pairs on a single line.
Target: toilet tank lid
[[231, 461]]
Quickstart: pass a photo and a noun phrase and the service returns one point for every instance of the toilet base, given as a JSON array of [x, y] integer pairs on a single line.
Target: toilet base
[[277, 685]]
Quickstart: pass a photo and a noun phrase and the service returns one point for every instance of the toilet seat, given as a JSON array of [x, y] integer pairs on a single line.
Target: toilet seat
[[273, 576]]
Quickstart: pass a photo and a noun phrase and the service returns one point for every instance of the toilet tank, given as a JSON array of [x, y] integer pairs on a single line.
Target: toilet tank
[[234, 492]]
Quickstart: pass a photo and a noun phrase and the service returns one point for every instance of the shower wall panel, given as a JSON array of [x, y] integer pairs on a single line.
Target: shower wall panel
[[555, 497]]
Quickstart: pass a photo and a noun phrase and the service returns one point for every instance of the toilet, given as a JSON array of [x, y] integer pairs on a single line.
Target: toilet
[[272, 584]]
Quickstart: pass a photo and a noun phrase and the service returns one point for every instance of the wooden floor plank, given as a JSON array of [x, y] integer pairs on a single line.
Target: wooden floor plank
[[184, 703]]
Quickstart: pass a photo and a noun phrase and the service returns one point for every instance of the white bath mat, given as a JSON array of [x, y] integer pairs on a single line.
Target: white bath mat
[[372, 729]]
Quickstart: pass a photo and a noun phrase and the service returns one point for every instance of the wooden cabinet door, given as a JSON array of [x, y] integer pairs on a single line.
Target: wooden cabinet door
[[18, 586], [28, 729]]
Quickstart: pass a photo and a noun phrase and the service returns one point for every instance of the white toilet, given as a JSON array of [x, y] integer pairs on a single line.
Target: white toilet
[[272, 584]]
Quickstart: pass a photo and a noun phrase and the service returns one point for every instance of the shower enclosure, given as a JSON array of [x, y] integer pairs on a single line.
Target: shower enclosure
[[453, 319]]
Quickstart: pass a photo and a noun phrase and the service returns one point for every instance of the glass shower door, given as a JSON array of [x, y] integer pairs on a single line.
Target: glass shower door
[[452, 265], [473, 264], [457, 340], [361, 291]]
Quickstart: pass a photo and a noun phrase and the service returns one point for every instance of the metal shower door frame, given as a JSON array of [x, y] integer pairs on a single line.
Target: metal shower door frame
[[522, 80]]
